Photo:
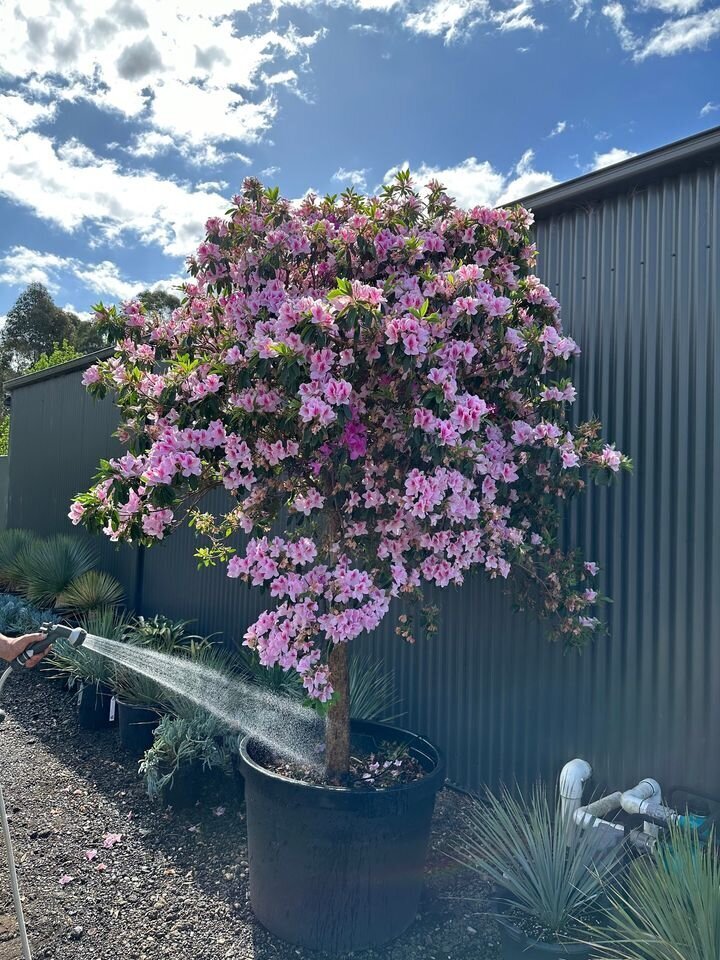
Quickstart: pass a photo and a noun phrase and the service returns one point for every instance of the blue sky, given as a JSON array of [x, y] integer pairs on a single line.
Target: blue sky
[[125, 124]]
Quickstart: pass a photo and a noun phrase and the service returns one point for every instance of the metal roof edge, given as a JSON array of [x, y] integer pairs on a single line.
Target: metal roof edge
[[59, 369], [633, 172]]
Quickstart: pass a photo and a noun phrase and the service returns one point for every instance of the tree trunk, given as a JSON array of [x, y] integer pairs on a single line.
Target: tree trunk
[[337, 731]]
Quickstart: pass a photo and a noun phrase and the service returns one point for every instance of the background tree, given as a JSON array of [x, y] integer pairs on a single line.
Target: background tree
[[34, 324], [158, 301]]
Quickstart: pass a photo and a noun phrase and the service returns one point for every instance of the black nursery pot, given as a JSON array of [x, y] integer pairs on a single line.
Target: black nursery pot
[[516, 945], [137, 726], [94, 707], [336, 869]]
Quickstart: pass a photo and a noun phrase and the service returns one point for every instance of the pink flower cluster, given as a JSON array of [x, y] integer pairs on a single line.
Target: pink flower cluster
[[389, 374]]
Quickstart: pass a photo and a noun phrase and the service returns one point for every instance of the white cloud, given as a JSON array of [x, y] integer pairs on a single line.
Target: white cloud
[[517, 17], [672, 36], [212, 186], [678, 36], [85, 315], [20, 265], [709, 108], [678, 7], [69, 186], [182, 69], [615, 12], [354, 178], [473, 182], [580, 7], [615, 155], [269, 171], [560, 127]]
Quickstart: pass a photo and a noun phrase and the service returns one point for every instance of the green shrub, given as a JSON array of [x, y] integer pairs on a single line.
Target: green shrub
[[13, 545], [5, 435], [60, 353], [90, 591], [48, 567]]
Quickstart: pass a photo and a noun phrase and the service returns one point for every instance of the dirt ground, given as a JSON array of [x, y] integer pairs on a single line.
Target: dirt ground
[[174, 884]]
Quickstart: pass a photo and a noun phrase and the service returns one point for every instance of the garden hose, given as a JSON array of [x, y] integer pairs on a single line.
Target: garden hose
[[51, 632]]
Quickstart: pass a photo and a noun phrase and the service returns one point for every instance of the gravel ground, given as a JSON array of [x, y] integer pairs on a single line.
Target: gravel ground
[[175, 885]]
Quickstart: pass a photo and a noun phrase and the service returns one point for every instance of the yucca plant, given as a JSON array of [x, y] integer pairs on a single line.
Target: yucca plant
[[669, 907], [549, 874], [373, 693], [90, 591], [13, 544], [48, 567]]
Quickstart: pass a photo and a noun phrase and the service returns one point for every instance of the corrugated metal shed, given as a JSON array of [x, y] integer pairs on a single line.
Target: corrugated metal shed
[[632, 253]]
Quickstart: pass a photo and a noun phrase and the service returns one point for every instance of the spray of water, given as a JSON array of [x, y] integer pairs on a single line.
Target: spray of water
[[288, 728]]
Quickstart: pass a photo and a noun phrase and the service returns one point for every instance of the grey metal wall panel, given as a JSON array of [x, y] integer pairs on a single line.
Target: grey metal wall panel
[[58, 434], [638, 279]]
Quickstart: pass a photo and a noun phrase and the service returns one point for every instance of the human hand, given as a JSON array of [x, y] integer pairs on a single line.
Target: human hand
[[11, 647]]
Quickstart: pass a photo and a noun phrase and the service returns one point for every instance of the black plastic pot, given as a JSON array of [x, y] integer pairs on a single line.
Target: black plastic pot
[[516, 945], [137, 726], [185, 788], [94, 707], [336, 869], [192, 783]]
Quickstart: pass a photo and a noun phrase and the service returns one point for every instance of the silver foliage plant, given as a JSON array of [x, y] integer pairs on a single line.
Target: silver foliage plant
[[544, 868], [669, 906]]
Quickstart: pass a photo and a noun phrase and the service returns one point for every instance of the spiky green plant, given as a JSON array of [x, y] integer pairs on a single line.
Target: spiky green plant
[[373, 693], [90, 591], [551, 873], [13, 544], [669, 907], [50, 566]]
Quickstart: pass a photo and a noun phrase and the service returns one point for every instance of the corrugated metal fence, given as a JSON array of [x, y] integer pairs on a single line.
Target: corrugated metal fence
[[638, 279]]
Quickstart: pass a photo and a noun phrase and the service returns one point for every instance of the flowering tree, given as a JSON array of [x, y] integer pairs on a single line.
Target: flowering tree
[[383, 376]]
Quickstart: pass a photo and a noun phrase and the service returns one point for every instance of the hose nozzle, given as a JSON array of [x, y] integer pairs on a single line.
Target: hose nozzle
[[52, 632]]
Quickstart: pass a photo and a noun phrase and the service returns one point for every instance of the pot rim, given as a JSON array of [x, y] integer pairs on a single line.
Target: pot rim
[[570, 947], [431, 777]]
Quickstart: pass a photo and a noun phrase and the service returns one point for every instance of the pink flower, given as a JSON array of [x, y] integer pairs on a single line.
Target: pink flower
[[337, 391], [65, 879], [110, 839], [90, 376], [76, 513]]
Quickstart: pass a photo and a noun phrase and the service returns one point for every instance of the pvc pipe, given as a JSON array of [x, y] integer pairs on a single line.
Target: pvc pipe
[[572, 780], [594, 813], [643, 796]]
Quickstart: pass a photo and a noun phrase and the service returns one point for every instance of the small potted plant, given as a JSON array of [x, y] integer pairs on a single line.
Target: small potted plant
[[382, 382], [549, 876], [191, 756], [668, 908], [89, 672]]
